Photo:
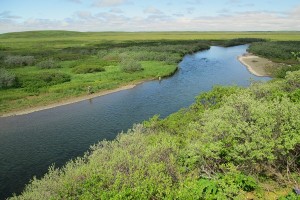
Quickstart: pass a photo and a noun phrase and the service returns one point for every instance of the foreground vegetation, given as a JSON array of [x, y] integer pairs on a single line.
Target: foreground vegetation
[[43, 67], [232, 143]]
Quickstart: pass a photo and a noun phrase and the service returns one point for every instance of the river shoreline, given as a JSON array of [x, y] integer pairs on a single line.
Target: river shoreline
[[245, 59], [255, 64], [69, 101]]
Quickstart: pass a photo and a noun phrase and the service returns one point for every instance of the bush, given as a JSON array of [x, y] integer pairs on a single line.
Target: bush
[[68, 56], [293, 80], [18, 61], [240, 41], [54, 78], [131, 66], [33, 82], [248, 132], [87, 69], [48, 64], [7, 79], [276, 51], [102, 53], [281, 72]]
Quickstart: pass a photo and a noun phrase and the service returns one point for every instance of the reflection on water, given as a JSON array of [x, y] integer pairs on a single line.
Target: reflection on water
[[29, 144]]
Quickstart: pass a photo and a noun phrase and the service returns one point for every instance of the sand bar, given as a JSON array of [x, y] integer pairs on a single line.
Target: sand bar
[[255, 64]]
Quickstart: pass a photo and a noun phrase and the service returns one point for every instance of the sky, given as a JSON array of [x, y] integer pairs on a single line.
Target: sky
[[151, 15]]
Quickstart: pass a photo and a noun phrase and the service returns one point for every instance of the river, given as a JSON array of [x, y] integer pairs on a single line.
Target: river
[[30, 143]]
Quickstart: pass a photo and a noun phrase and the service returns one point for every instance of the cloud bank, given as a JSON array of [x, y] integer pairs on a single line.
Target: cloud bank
[[154, 19]]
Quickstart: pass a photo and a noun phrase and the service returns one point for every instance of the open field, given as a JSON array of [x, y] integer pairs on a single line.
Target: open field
[[42, 40], [47, 67]]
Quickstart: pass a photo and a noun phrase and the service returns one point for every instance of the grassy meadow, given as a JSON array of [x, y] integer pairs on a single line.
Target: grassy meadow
[[44, 67]]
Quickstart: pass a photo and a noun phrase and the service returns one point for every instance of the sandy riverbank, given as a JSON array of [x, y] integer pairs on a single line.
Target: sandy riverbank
[[69, 101], [256, 65]]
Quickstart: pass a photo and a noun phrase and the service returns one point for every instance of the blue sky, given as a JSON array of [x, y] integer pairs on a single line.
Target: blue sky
[[154, 15]]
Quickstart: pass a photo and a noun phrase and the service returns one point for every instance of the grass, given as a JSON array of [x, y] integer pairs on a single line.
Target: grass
[[93, 59], [38, 40], [112, 77]]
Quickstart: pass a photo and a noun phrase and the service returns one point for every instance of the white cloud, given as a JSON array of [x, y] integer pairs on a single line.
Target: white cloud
[[75, 1], [234, 1], [295, 11], [84, 15], [195, 2], [152, 10], [116, 10], [190, 10], [155, 20], [109, 3], [8, 15], [178, 14]]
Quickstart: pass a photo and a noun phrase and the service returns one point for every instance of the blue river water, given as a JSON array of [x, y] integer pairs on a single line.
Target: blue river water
[[30, 143]]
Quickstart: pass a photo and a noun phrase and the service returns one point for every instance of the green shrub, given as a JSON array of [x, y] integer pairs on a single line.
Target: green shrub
[[87, 69], [248, 132], [277, 51], [7, 79], [240, 41], [293, 80], [281, 72], [48, 64], [18, 61], [296, 55], [102, 53], [295, 96], [33, 82], [130, 66], [2, 56], [290, 196], [230, 185], [68, 56]]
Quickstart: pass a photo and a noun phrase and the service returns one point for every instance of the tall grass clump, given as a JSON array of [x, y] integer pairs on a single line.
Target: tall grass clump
[[35, 82], [87, 69], [7, 79], [130, 66], [49, 64], [19, 61]]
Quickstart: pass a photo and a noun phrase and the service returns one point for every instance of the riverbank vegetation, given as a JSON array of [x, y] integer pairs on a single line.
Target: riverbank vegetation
[[46, 67], [282, 53], [232, 143], [32, 77]]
